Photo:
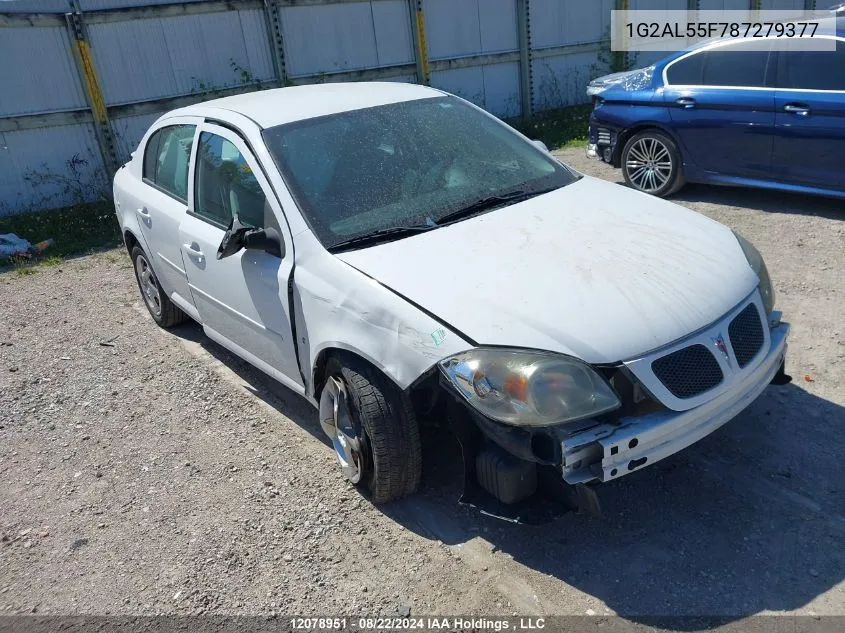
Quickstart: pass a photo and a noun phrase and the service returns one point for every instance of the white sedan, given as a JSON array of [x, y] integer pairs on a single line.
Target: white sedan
[[398, 256]]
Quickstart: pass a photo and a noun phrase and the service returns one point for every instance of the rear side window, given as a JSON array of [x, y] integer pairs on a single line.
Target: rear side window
[[812, 70], [686, 72], [167, 158], [225, 185], [738, 65]]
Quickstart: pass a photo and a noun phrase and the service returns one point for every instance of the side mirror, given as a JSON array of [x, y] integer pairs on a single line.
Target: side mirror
[[541, 145], [267, 240], [233, 239]]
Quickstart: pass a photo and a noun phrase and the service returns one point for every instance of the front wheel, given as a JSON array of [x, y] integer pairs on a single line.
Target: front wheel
[[651, 163], [373, 429]]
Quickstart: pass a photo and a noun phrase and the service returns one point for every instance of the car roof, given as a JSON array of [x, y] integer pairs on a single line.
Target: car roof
[[285, 105], [834, 24]]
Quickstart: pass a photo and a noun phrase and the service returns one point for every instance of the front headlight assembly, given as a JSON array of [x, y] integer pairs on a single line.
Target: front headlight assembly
[[755, 260], [528, 388]]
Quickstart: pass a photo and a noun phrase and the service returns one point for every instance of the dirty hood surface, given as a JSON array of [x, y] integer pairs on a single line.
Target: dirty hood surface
[[594, 270]]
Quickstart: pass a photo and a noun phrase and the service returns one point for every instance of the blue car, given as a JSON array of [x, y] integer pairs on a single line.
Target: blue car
[[728, 113]]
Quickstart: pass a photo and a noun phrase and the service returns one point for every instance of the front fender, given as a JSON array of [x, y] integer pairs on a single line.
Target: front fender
[[339, 307]]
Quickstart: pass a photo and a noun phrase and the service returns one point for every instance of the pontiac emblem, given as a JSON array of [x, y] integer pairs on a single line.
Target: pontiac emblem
[[719, 342]]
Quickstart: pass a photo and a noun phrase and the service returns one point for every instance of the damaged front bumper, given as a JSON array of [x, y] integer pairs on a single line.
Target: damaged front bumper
[[602, 142], [609, 451]]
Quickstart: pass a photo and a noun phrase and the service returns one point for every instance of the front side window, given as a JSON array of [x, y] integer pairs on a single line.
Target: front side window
[[167, 157], [410, 163], [225, 184], [735, 65], [812, 70]]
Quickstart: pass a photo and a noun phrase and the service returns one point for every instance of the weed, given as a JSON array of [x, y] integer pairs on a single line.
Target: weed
[[609, 61], [558, 128], [82, 181], [52, 260], [243, 79], [22, 269]]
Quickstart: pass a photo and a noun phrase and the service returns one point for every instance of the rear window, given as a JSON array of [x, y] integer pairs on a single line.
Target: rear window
[[812, 70], [167, 157]]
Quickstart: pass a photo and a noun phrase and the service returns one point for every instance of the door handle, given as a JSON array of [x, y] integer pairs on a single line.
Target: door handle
[[193, 250], [686, 102], [144, 212], [797, 108]]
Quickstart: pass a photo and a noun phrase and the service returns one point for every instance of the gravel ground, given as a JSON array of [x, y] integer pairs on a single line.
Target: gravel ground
[[147, 472]]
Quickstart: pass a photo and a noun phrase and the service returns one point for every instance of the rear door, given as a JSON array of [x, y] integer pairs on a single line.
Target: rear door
[[810, 120], [242, 299], [721, 104], [164, 201]]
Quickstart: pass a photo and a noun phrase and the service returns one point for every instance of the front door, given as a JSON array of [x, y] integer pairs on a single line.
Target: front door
[[810, 119], [722, 108], [242, 299]]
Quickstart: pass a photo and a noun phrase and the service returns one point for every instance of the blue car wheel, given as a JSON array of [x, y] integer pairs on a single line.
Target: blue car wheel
[[651, 163]]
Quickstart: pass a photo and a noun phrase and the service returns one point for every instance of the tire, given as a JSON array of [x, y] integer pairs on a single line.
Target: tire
[[390, 436], [642, 158], [159, 305]]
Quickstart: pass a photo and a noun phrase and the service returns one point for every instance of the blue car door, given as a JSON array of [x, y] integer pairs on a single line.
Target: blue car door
[[722, 106], [810, 117]]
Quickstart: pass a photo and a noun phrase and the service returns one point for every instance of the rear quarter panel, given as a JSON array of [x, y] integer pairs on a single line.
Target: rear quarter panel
[[126, 192]]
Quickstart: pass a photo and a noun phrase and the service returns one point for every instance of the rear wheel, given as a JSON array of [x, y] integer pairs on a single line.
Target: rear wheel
[[651, 163], [373, 429], [161, 308]]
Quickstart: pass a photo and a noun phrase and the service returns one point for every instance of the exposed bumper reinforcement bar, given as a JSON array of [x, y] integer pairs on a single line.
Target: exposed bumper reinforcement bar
[[609, 451]]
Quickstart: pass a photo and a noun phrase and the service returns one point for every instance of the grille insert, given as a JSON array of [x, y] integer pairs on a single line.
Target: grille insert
[[603, 136], [746, 332], [688, 372]]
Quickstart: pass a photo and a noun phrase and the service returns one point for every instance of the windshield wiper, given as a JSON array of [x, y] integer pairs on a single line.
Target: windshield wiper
[[382, 235], [491, 202]]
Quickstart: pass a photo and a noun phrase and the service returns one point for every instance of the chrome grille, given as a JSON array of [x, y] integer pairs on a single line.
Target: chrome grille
[[688, 372], [603, 136], [746, 333]]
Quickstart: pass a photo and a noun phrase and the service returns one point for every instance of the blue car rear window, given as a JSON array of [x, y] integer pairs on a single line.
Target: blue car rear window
[[812, 70]]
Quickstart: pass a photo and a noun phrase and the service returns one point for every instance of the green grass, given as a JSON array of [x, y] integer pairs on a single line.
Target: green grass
[[77, 230], [564, 127], [23, 267]]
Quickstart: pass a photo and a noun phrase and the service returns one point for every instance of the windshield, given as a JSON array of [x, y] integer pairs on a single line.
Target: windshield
[[404, 164]]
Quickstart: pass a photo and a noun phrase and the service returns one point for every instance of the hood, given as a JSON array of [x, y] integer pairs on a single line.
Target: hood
[[594, 270]]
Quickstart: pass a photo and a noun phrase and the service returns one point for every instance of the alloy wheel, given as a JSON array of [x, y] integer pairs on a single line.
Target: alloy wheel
[[649, 164], [148, 284], [337, 423]]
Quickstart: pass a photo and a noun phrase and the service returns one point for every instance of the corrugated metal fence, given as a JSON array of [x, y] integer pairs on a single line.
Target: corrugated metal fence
[[81, 82]]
